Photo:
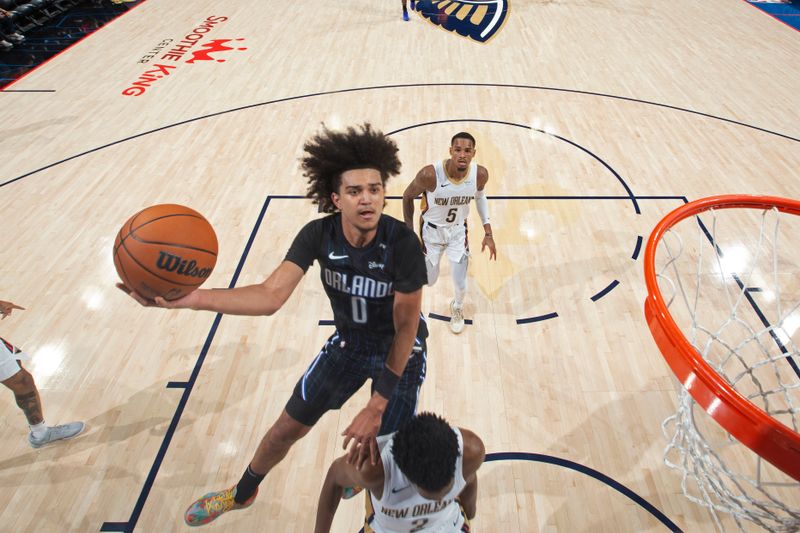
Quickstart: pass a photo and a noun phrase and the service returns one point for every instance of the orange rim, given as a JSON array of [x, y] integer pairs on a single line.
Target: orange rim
[[753, 427]]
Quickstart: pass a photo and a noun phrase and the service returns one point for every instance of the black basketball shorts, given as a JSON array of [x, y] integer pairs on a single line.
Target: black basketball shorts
[[342, 367]]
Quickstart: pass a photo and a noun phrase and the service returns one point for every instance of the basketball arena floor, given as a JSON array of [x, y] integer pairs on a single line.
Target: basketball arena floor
[[594, 119]]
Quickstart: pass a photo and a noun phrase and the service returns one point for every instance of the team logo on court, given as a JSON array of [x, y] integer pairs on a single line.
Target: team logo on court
[[478, 20], [207, 51]]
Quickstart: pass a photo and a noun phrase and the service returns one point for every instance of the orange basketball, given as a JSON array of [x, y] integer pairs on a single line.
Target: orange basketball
[[165, 250]]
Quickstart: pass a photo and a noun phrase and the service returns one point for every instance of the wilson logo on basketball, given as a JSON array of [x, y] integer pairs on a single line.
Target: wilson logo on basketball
[[174, 263], [175, 53]]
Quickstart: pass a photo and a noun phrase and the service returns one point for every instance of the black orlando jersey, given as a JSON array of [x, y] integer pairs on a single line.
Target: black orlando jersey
[[361, 282]]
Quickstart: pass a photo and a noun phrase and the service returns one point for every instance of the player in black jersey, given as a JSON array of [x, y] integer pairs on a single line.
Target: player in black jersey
[[373, 270]]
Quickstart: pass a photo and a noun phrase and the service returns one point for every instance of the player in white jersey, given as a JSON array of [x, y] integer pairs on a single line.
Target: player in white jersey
[[425, 481], [447, 188], [21, 383]]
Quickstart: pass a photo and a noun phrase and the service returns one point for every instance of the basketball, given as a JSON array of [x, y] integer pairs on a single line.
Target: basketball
[[165, 250]]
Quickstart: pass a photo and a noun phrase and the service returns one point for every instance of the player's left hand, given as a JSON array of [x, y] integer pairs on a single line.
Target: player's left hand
[[488, 242], [362, 431], [7, 307]]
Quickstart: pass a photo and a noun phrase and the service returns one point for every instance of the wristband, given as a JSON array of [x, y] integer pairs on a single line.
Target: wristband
[[386, 383]]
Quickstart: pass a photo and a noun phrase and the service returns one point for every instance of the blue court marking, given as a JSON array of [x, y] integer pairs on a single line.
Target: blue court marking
[[605, 291], [753, 289], [630, 196], [638, 248], [537, 318], [608, 167], [447, 318], [599, 476], [177, 384], [396, 86], [129, 526]]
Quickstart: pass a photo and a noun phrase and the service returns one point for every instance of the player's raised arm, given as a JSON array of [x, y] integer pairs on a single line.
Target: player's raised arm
[[341, 475], [364, 427], [425, 180]]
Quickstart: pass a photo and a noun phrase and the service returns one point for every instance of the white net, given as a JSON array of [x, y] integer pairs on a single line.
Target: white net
[[731, 279]]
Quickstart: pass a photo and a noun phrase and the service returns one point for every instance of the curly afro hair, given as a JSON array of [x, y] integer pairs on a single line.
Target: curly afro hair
[[425, 449], [330, 153]]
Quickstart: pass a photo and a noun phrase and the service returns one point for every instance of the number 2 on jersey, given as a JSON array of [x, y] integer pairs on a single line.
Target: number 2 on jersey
[[419, 524]]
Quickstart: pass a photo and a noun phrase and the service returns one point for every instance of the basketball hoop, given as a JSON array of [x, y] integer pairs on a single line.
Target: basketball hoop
[[731, 347]]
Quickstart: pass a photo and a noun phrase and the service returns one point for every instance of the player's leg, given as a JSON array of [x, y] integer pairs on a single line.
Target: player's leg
[[405, 10], [432, 245], [432, 267], [459, 271], [274, 446], [14, 376], [458, 254], [327, 383]]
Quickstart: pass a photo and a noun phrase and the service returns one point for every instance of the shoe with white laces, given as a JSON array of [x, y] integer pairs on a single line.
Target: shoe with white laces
[[456, 318], [54, 433]]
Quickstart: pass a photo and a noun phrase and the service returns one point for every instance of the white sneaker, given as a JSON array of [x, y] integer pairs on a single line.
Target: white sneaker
[[456, 318], [54, 433]]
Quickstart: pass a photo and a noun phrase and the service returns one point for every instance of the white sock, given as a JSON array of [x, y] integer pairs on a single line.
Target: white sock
[[39, 430]]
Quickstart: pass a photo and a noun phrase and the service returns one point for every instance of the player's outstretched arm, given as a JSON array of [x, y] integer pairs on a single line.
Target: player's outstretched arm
[[474, 454], [261, 299], [364, 427], [341, 475], [425, 180]]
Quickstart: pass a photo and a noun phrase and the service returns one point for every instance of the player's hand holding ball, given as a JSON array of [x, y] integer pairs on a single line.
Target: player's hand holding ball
[[163, 253]]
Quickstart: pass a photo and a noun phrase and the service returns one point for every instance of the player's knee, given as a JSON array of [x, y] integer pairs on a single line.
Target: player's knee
[[286, 432], [21, 383], [433, 274]]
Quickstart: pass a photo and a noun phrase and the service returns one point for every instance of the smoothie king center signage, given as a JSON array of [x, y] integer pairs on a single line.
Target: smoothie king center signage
[[171, 56]]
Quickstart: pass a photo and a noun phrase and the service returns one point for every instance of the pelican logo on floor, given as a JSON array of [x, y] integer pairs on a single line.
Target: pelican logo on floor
[[479, 20], [178, 51]]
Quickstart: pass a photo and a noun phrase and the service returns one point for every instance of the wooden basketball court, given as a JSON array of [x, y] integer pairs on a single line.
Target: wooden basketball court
[[594, 118]]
